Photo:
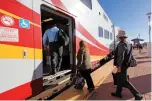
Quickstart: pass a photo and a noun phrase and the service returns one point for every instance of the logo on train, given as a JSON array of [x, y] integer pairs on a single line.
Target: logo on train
[[24, 23], [7, 20]]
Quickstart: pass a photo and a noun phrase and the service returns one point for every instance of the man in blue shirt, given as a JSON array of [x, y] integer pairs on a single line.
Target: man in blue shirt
[[55, 50]]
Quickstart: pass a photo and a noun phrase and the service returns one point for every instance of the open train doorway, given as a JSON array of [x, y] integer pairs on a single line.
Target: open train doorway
[[64, 22]]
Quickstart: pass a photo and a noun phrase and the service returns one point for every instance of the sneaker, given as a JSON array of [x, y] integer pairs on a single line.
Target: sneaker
[[58, 69], [116, 95], [139, 97]]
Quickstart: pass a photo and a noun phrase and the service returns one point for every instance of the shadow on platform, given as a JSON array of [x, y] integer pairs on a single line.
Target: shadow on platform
[[142, 84], [144, 57], [138, 62]]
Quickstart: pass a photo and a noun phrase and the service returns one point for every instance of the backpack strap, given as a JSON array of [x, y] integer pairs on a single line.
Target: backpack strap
[[56, 35], [115, 55], [130, 54]]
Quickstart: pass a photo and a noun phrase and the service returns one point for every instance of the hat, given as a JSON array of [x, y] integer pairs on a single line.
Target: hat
[[122, 33]]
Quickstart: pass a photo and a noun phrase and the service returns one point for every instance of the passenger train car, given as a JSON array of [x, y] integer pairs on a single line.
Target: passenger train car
[[22, 25]]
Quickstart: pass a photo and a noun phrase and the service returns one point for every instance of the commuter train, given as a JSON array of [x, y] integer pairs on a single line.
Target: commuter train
[[22, 25]]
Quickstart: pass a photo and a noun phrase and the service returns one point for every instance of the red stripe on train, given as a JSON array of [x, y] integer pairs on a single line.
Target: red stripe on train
[[92, 49], [26, 90], [37, 31], [79, 27], [20, 10], [23, 91], [85, 33], [58, 3], [26, 36]]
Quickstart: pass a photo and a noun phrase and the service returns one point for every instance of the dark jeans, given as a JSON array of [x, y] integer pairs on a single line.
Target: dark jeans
[[87, 77], [122, 81], [56, 53]]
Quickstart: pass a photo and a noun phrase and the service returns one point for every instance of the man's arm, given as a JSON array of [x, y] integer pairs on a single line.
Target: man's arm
[[45, 37]]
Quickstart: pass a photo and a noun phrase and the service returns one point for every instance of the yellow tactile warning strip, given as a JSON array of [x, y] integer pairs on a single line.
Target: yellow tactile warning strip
[[17, 52]]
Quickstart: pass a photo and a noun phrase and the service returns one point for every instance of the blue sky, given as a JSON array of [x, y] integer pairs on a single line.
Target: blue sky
[[129, 15]]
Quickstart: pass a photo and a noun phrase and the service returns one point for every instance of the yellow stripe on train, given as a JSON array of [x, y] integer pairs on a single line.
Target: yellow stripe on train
[[17, 52]]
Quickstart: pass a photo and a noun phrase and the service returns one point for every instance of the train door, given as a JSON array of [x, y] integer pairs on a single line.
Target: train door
[[64, 22]]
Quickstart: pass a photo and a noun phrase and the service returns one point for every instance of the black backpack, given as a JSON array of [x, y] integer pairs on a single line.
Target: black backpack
[[63, 38], [129, 59]]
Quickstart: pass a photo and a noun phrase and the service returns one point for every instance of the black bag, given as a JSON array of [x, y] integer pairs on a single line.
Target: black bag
[[130, 60], [63, 38], [79, 81], [114, 75]]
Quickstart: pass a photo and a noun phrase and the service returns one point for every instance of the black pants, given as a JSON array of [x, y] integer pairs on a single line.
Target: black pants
[[122, 81], [87, 77], [56, 53]]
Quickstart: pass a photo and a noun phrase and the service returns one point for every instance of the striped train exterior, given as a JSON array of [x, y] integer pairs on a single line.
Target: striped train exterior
[[18, 74]]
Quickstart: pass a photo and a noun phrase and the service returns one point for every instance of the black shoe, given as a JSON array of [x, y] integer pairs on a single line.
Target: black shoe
[[116, 95], [91, 89], [139, 98], [53, 73]]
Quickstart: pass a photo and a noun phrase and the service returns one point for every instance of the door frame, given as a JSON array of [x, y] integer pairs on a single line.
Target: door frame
[[72, 44]]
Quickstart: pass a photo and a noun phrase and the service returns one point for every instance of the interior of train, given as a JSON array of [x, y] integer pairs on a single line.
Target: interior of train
[[64, 23]]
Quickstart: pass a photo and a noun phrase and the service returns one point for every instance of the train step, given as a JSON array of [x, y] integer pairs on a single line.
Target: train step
[[58, 74], [55, 82]]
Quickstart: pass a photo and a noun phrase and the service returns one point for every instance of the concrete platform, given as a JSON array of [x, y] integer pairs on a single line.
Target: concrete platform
[[98, 77], [140, 77]]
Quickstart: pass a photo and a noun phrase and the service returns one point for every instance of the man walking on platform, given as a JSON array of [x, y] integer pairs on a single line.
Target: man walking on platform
[[120, 63]]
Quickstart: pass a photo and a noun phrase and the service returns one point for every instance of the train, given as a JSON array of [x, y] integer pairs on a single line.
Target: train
[[22, 25]]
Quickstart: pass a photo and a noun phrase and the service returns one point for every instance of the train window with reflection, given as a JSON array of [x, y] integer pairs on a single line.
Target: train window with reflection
[[111, 36], [105, 17], [106, 34], [100, 31], [88, 3]]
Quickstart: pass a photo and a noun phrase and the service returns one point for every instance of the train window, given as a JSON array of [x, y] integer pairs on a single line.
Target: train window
[[99, 13], [88, 3], [106, 34], [105, 17], [111, 36], [100, 31]]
